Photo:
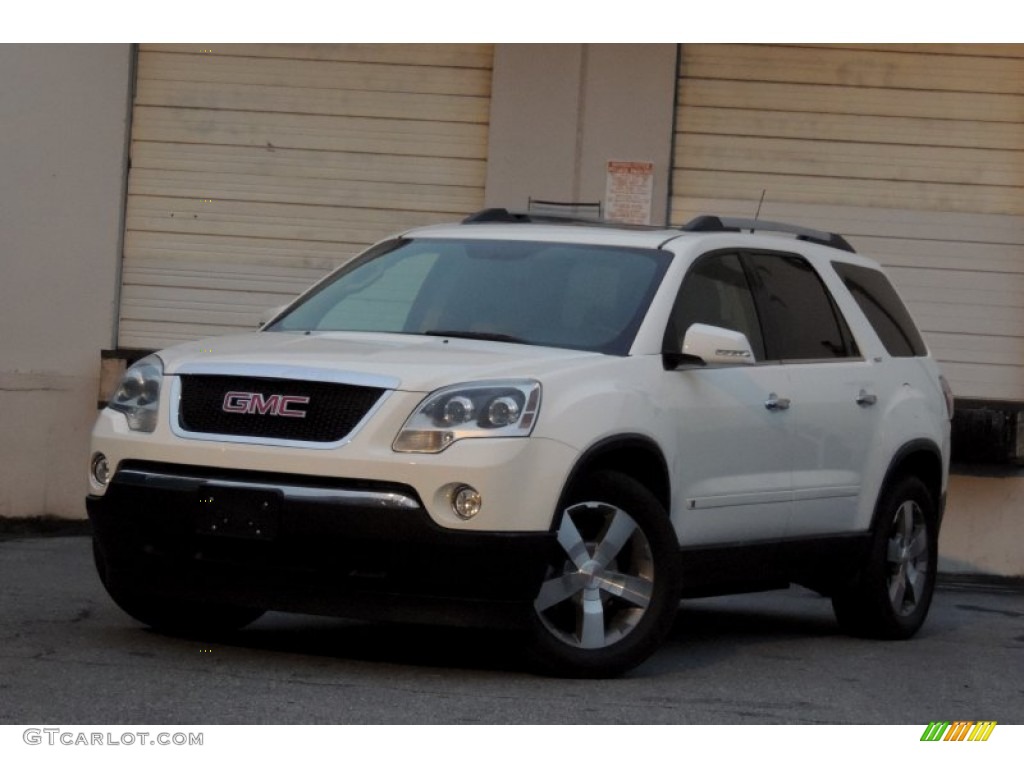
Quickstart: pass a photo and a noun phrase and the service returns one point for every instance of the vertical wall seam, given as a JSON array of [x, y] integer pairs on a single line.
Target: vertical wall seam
[[581, 107], [677, 85], [123, 213]]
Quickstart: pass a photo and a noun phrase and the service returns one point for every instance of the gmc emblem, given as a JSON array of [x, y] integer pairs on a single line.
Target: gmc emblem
[[256, 402]]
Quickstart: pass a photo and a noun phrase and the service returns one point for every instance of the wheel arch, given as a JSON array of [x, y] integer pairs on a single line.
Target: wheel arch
[[633, 455], [918, 458]]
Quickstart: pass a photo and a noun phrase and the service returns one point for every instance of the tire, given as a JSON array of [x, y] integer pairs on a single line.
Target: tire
[[609, 598], [176, 617], [889, 599]]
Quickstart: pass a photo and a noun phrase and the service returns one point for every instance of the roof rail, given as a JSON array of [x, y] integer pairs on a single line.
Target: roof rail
[[496, 215], [505, 216], [725, 224]]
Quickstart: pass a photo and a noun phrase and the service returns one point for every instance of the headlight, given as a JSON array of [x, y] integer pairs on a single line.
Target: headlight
[[488, 409], [138, 395]]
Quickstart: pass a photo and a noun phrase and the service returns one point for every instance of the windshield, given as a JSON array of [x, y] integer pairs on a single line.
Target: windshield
[[549, 294]]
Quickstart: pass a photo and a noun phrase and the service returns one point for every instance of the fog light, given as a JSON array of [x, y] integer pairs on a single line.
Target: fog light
[[466, 502], [100, 469]]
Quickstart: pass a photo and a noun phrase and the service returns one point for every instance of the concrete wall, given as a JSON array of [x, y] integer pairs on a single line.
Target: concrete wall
[[63, 131], [559, 113], [984, 526]]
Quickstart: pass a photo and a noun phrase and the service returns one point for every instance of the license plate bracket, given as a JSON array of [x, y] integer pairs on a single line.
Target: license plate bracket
[[238, 513]]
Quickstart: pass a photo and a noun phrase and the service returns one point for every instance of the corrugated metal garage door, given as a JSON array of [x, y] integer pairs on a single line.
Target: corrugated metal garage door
[[915, 152], [256, 168]]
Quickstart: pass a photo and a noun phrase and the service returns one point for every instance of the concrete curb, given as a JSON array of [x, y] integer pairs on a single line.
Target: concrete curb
[[42, 526]]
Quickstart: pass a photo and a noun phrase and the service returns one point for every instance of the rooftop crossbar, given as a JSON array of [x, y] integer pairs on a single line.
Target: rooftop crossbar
[[726, 224]]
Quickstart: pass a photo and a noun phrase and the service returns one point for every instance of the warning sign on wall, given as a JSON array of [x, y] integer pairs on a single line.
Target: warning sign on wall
[[629, 191]]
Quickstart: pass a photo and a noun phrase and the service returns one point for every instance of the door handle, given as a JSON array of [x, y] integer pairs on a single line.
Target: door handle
[[776, 403], [866, 398]]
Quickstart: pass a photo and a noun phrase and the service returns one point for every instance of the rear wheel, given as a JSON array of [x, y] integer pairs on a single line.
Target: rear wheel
[[609, 599], [891, 596], [175, 617]]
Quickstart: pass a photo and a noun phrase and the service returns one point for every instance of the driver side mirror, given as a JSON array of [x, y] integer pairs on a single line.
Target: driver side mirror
[[711, 345]]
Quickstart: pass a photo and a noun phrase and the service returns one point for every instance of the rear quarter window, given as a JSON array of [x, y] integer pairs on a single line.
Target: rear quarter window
[[883, 308]]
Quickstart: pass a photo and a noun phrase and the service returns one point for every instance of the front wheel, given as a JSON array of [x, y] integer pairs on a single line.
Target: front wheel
[[609, 598], [891, 596]]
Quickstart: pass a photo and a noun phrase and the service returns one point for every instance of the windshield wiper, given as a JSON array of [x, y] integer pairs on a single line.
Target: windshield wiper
[[479, 335]]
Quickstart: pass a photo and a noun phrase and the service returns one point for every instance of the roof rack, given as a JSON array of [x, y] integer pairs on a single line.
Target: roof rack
[[725, 224], [505, 216], [497, 216]]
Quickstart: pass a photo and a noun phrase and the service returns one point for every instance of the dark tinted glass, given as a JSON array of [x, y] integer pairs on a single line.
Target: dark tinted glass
[[799, 318], [715, 292], [884, 310]]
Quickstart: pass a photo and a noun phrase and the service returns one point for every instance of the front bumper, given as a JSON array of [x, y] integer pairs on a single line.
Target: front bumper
[[308, 544], [520, 479]]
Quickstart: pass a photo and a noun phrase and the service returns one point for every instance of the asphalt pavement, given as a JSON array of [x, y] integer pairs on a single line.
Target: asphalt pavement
[[69, 655]]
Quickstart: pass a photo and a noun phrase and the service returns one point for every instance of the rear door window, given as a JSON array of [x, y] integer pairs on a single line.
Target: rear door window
[[799, 318]]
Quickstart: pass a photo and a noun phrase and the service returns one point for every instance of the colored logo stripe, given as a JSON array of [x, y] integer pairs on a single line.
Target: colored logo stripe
[[959, 730], [982, 730]]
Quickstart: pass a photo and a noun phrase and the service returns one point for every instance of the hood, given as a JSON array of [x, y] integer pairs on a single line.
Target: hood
[[394, 361]]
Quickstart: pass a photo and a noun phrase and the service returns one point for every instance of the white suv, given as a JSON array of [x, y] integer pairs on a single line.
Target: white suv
[[555, 427]]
